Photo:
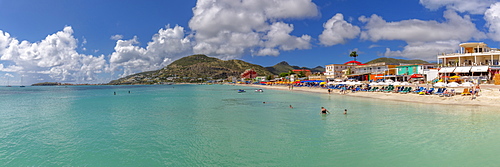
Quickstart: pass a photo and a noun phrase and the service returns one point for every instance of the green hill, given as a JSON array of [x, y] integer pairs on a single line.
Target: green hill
[[191, 69]]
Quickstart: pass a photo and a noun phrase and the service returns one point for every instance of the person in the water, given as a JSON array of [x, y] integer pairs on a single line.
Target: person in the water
[[324, 111]]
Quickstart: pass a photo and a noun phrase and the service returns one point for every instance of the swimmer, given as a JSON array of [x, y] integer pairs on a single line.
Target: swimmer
[[345, 111], [324, 110], [291, 106]]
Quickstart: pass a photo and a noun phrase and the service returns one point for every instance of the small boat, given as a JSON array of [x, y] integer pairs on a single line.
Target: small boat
[[259, 90], [241, 91]]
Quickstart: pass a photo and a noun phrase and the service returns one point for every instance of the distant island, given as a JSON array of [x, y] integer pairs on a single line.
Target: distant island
[[58, 84]]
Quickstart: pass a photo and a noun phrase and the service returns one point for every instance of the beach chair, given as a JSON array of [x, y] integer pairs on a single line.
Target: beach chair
[[466, 92], [440, 91], [428, 92], [390, 88], [419, 89], [406, 90], [401, 88]]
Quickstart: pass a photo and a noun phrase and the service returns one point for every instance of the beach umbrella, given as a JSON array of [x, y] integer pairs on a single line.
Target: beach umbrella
[[452, 84], [439, 84], [467, 84], [456, 76], [405, 83], [322, 83]]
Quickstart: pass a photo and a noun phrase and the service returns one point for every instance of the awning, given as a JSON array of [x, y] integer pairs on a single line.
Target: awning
[[462, 70], [446, 70], [416, 76], [479, 69]]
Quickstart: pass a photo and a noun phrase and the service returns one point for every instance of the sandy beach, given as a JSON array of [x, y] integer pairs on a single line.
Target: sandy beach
[[488, 96]]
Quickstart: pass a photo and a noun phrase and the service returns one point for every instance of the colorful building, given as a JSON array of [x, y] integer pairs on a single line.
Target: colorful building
[[475, 60]]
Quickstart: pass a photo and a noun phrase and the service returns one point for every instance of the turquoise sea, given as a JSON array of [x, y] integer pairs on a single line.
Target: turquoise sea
[[213, 125]]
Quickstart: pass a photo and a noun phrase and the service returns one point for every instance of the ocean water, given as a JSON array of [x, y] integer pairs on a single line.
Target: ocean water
[[213, 125]]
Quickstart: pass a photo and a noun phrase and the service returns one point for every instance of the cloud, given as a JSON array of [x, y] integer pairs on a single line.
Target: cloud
[[425, 39], [7, 74], [492, 18], [228, 28], [116, 37], [454, 28], [338, 31], [56, 55], [471, 6], [424, 50], [167, 45]]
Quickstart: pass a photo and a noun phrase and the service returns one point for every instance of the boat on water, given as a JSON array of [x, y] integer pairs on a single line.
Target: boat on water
[[241, 91], [259, 90]]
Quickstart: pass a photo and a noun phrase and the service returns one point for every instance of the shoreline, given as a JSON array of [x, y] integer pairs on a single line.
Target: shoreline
[[488, 96]]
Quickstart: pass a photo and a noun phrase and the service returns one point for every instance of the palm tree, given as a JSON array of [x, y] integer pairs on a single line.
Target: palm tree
[[353, 54]]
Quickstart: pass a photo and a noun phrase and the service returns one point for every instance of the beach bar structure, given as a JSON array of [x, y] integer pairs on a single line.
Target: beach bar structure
[[475, 59]]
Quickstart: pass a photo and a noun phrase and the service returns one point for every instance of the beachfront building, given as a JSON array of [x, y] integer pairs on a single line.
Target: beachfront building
[[317, 76], [426, 72], [475, 60], [338, 71], [373, 71], [304, 72]]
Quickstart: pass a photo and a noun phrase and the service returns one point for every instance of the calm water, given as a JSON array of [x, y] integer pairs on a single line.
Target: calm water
[[213, 125]]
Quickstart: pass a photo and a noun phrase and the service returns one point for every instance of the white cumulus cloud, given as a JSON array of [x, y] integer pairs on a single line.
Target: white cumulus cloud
[[55, 55], [116, 37], [229, 28], [454, 28], [167, 45], [471, 6], [492, 17], [424, 50], [425, 39], [338, 31]]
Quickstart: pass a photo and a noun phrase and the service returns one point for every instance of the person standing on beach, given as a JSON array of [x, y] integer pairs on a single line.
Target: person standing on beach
[[329, 91]]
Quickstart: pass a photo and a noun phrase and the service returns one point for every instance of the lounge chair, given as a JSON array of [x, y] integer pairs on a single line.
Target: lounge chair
[[466, 92], [440, 91], [428, 92], [406, 90]]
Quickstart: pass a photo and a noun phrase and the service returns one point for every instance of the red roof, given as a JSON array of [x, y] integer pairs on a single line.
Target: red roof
[[301, 70], [354, 62]]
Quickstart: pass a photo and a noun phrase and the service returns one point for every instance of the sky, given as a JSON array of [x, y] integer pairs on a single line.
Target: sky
[[95, 41]]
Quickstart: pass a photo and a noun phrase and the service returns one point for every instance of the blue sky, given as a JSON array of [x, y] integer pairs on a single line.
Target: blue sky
[[91, 41]]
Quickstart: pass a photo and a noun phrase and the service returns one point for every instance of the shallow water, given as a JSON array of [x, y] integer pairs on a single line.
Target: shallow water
[[213, 125]]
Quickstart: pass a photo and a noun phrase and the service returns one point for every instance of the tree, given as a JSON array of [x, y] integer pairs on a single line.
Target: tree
[[284, 74], [353, 54]]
